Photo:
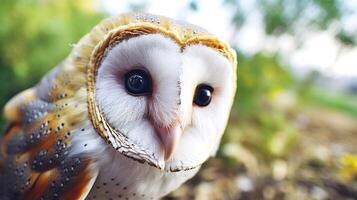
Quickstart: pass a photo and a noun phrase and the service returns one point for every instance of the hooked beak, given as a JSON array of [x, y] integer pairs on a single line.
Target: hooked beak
[[169, 137]]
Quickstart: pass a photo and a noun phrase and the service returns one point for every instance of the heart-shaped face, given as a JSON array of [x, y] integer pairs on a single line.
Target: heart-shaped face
[[159, 92]]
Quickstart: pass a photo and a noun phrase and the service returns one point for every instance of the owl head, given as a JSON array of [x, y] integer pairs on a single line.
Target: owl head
[[158, 91]]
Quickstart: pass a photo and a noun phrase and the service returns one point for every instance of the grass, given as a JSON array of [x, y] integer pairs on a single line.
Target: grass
[[343, 102]]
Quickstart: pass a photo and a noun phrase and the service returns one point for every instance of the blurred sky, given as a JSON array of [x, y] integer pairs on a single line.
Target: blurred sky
[[319, 50]]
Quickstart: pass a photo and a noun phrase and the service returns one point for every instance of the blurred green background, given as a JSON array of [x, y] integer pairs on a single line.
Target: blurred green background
[[293, 127]]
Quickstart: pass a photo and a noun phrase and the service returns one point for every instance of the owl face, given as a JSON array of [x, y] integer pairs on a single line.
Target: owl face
[[161, 100]]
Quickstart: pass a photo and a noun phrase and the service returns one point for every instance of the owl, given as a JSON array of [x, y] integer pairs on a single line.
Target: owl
[[132, 113]]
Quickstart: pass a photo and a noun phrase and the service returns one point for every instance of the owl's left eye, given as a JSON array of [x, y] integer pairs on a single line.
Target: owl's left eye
[[203, 95], [138, 82]]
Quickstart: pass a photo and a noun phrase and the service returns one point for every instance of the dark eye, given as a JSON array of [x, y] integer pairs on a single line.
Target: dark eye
[[203, 95], [138, 82]]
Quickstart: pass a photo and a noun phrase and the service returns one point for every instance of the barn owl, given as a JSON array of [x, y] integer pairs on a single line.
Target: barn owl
[[132, 113]]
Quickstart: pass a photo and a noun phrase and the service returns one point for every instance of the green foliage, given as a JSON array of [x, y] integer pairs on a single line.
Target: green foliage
[[41, 35], [346, 39], [258, 122], [292, 16], [36, 35], [280, 16], [259, 78], [346, 103]]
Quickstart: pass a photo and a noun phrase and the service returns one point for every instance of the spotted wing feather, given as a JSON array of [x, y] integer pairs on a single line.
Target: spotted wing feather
[[35, 159]]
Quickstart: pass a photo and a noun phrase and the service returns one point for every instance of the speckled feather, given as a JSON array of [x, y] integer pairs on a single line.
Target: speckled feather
[[34, 149], [35, 158]]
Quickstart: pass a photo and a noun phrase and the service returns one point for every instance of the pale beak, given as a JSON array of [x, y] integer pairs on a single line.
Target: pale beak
[[169, 137]]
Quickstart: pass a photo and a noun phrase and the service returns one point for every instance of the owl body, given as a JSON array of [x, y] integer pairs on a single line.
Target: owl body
[[133, 112]]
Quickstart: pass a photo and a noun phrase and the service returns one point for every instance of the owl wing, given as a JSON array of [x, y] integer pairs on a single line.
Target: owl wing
[[35, 159]]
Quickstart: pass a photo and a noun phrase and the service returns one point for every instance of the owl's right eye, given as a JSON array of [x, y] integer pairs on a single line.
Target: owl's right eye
[[138, 82]]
